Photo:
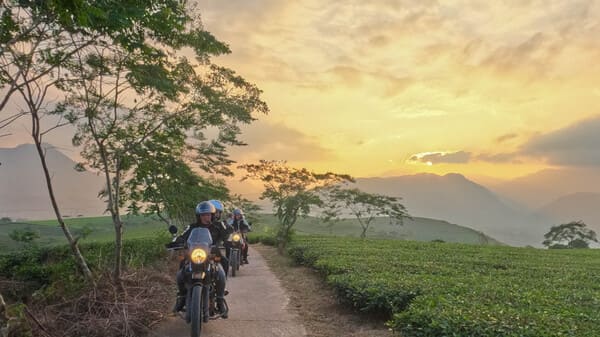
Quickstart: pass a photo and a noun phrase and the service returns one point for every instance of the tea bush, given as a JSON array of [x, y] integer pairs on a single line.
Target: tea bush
[[429, 289]]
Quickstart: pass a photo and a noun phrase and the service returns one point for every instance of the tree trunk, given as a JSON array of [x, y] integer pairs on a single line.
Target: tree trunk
[[80, 260], [3, 316], [116, 216], [118, 249]]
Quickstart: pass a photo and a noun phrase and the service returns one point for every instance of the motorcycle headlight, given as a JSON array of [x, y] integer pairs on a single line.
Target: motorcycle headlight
[[236, 237], [198, 255]]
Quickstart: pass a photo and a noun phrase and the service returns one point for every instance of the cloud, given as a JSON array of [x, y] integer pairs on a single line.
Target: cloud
[[574, 145], [278, 142], [498, 158], [506, 137], [459, 157], [417, 112]]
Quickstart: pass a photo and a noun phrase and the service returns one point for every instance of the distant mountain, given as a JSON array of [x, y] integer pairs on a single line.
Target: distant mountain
[[584, 206], [456, 199], [543, 187], [23, 192]]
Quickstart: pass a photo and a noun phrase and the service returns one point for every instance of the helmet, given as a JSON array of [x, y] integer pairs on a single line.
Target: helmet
[[238, 211], [204, 208], [218, 205]]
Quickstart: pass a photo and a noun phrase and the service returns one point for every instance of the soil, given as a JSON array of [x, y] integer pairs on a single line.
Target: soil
[[315, 302]]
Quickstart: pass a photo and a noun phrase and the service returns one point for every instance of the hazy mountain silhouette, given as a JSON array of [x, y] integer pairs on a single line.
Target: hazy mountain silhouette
[[584, 206], [23, 192], [543, 187], [456, 199]]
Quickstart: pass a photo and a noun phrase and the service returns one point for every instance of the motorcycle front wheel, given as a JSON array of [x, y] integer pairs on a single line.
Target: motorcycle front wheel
[[234, 262], [196, 311]]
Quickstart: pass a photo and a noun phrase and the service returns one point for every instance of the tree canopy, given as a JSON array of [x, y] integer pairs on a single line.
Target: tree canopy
[[136, 79], [292, 191], [362, 205], [574, 234]]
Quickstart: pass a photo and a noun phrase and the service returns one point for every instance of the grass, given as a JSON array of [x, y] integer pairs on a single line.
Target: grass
[[100, 229], [416, 229]]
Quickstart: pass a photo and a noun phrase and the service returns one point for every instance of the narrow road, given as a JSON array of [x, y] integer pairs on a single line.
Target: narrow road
[[257, 308]]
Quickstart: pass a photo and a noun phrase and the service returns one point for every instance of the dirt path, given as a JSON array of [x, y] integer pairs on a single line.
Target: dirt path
[[257, 308], [316, 304]]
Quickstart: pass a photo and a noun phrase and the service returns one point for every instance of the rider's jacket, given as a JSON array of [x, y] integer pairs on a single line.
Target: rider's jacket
[[219, 231], [240, 225]]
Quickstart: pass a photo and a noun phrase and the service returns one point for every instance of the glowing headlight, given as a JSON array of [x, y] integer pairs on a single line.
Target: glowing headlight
[[198, 255], [236, 237]]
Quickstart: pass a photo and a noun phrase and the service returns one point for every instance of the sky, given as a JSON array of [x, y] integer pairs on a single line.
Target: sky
[[385, 88]]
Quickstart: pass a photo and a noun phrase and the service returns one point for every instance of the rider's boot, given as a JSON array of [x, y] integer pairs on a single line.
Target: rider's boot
[[179, 303], [222, 307]]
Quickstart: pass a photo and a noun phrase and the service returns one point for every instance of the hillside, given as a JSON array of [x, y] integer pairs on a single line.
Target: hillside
[[456, 199], [573, 207], [23, 192], [417, 229]]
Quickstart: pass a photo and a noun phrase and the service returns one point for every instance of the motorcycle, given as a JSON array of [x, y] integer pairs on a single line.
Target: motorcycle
[[236, 243], [200, 275]]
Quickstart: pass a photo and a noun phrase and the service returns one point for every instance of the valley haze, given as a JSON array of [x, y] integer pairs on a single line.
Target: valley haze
[[452, 197]]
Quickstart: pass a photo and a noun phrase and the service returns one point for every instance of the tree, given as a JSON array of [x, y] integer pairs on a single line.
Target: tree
[[147, 106], [292, 191], [365, 207], [37, 38], [131, 97], [574, 234], [170, 189]]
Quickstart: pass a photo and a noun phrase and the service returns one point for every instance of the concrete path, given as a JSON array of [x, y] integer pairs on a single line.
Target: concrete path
[[257, 308]]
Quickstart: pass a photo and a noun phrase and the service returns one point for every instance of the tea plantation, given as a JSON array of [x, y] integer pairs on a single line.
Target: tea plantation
[[443, 289]]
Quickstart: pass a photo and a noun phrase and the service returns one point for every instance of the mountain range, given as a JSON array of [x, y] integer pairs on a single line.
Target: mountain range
[[516, 212], [23, 192]]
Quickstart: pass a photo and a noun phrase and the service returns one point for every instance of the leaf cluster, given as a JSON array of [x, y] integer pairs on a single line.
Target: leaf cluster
[[362, 205], [574, 234]]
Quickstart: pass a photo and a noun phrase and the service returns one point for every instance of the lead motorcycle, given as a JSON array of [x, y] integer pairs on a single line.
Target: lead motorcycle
[[200, 276]]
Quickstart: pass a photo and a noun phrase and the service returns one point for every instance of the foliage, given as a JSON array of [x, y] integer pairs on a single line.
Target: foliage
[[249, 208], [26, 235], [5, 220], [432, 289], [171, 190], [135, 109], [292, 191], [52, 269], [365, 207], [133, 99], [574, 234]]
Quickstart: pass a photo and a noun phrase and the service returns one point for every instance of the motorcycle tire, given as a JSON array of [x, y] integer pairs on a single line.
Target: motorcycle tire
[[206, 304], [196, 311], [234, 263]]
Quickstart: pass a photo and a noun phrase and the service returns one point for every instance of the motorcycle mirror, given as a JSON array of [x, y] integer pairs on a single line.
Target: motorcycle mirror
[[172, 229]]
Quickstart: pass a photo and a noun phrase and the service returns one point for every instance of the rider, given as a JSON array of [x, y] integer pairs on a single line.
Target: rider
[[217, 221], [240, 224], [205, 212]]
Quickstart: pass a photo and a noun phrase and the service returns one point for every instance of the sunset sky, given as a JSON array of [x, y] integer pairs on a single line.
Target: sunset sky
[[382, 88], [499, 89]]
